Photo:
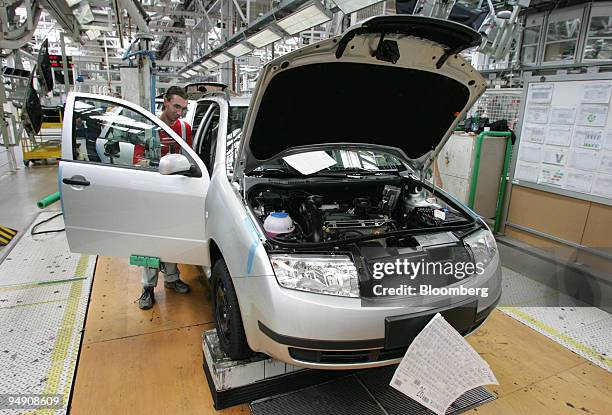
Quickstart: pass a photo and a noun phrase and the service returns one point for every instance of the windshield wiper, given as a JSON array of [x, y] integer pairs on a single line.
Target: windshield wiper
[[356, 171], [276, 173]]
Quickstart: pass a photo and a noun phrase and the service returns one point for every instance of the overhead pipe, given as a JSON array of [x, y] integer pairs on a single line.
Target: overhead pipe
[[137, 13], [284, 9]]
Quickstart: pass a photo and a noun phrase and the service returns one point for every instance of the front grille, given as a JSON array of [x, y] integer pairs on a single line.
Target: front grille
[[340, 357], [346, 356]]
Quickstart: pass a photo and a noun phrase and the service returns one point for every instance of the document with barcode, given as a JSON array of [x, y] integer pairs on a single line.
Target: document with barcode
[[440, 366]]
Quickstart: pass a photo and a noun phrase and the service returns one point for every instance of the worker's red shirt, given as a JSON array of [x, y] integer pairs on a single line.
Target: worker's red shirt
[[166, 141]]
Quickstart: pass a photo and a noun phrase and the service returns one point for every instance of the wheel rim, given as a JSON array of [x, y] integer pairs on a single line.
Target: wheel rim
[[222, 312]]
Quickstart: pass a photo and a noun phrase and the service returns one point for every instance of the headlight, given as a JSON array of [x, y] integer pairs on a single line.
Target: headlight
[[332, 275], [483, 246]]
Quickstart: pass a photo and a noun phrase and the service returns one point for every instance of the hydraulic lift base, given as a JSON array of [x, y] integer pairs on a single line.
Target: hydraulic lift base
[[235, 382]]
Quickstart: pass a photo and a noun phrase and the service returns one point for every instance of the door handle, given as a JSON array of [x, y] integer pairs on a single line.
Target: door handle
[[76, 181]]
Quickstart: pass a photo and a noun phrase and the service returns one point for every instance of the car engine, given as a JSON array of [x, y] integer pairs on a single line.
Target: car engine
[[341, 211]]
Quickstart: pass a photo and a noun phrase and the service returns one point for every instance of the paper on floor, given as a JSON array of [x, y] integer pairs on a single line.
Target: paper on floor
[[440, 366]]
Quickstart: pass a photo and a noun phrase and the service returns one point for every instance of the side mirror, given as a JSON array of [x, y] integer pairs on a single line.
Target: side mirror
[[177, 164]]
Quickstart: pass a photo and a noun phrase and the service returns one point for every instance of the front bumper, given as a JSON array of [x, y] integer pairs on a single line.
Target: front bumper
[[375, 352], [327, 332]]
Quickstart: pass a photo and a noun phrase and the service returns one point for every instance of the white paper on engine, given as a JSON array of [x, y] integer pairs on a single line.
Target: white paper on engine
[[311, 162], [439, 367]]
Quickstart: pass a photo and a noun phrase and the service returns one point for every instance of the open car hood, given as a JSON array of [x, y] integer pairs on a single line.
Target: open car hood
[[393, 81]]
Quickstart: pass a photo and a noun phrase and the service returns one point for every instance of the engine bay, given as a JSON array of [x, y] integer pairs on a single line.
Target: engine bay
[[326, 211]]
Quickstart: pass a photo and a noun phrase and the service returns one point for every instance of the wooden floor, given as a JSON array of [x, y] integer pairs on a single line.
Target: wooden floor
[[150, 362]]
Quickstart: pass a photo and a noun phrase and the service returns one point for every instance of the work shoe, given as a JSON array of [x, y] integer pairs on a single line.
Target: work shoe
[[147, 298], [178, 286]]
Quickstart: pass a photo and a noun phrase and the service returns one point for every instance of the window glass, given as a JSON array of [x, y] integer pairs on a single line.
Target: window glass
[[529, 54], [235, 122], [600, 26], [199, 113], [346, 160], [561, 40], [565, 29], [531, 35], [236, 118], [560, 51], [105, 132], [208, 141], [598, 49], [599, 40]]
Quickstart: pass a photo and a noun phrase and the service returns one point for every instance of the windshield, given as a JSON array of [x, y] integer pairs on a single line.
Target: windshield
[[235, 121], [236, 117], [335, 160]]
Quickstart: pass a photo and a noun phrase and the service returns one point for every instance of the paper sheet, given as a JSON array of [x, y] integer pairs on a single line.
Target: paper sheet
[[555, 155], [527, 172], [540, 93], [537, 114], [605, 163], [603, 186], [311, 162], [597, 93], [563, 115], [440, 366], [531, 153], [592, 115], [559, 136], [579, 182], [552, 175], [584, 160], [534, 133], [588, 138]]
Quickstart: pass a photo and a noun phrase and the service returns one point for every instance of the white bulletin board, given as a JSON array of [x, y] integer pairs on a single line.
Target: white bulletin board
[[565, 136]]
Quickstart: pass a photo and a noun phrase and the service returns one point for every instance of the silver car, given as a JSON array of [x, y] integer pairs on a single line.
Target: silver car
[[312, 214]]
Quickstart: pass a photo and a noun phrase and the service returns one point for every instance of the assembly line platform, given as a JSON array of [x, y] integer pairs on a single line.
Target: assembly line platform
[[272, 387], [135, 361]]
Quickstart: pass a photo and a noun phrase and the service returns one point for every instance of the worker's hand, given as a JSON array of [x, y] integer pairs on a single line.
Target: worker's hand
[[144, 163]]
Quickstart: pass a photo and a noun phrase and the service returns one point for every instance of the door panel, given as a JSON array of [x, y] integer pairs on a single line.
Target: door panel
[[128, 207]]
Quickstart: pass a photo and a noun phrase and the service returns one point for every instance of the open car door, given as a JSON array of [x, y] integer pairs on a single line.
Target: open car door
[[124, 189]]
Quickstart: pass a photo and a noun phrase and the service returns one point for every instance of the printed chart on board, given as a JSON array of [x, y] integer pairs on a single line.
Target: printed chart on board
[[566, 137]]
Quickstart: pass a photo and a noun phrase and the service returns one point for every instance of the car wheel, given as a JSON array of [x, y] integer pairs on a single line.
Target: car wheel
[[228, 320]]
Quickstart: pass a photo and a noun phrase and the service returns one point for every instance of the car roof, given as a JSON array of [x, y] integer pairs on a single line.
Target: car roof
[[240, 101], [234, 101]]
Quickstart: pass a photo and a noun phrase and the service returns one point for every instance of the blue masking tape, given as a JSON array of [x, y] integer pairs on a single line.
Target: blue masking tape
[[251, 255]]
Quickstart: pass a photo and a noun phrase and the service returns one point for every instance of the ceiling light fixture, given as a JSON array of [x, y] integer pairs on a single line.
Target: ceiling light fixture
[[222, 58], [263, 38], [350, 6], [309, 16], [239, 50]]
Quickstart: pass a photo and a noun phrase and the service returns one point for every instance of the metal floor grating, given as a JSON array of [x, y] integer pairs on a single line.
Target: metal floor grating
[[44, 292], [362, 393], [583, 329]]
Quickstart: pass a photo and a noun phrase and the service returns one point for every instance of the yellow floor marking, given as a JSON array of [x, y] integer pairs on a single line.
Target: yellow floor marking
[[38, 284], [555, 333], [64, 336], [10, 231], [32, 304]]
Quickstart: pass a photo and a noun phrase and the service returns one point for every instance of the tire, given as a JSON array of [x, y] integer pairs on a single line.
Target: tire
[[228, 320]]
